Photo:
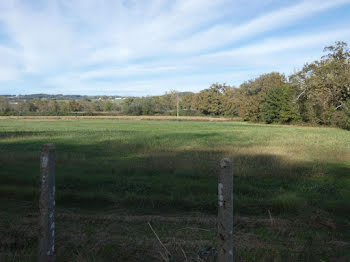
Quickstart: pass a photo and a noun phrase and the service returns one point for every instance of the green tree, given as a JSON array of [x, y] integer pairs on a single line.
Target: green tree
[[27, 106], [98, 105], [210, 101], [4, 105], [324, 85], [169, 101], [108, 106], [53, 106], [186, 102], [279, 105], [72, 106], [132, 106], [253, 94], [148, 105]]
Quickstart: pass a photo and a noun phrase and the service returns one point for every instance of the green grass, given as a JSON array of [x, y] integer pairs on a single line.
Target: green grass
[[299, 175]]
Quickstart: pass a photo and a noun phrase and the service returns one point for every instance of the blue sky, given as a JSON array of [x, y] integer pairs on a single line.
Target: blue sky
[[148, 47]]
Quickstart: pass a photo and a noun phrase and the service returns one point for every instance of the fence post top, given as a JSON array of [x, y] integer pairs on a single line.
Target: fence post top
[[225, 162], [48, 147]]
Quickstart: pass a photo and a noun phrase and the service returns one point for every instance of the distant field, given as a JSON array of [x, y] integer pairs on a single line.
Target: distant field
[[291, 189], [191, 118]]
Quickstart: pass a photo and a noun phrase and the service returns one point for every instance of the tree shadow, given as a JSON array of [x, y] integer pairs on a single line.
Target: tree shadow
[[120, 178], [100, 175]]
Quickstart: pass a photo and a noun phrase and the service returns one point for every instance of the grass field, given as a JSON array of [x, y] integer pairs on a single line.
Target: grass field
[[291, 189]]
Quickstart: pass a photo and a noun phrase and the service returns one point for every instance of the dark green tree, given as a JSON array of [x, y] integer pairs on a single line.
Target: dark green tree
[[279, 106], [252, 94]]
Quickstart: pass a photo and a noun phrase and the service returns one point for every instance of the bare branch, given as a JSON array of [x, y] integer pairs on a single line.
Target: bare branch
[[301, 94]]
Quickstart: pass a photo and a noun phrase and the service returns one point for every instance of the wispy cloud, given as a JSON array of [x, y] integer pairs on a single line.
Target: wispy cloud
[[148, 47], [223, 34]]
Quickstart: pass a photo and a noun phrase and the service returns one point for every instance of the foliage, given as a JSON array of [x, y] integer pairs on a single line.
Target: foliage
[[317, 94], [4, 105], [324, 86], [254, 92], [279, 105], [210, 101]]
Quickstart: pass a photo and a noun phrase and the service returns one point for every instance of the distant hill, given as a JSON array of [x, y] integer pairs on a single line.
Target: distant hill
[[181, 94], [18, 98]]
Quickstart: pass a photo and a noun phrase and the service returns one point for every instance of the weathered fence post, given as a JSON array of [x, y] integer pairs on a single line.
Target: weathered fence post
[[225, 211], [47, 203]]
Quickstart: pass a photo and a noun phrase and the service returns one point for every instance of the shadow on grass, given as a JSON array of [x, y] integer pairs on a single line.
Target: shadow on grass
[[100, 175], [22, 134], [132, 179]]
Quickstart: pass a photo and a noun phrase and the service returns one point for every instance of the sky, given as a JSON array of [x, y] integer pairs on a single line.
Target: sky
[[148, 47]]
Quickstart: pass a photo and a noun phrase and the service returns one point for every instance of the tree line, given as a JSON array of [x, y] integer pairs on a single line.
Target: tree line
[[318, 94]]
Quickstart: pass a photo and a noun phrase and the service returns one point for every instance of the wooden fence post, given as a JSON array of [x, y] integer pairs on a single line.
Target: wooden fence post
[[225, 211], [47, 203]]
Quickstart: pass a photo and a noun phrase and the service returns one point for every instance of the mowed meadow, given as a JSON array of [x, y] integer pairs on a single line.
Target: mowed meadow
[[113, 177]]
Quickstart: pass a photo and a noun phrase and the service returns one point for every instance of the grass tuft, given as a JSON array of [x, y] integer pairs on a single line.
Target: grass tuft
[[288, 202]]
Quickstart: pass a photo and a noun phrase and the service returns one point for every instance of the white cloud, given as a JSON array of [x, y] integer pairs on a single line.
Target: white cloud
[[153, 44], [9, 68], [222, 34], [275, 45], [8, 73], [268, 53]]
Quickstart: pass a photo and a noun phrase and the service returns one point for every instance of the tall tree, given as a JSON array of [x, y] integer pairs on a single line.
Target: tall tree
[[324, 85], [253, 94], [279, 105], [4, 105], [210, 101]]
